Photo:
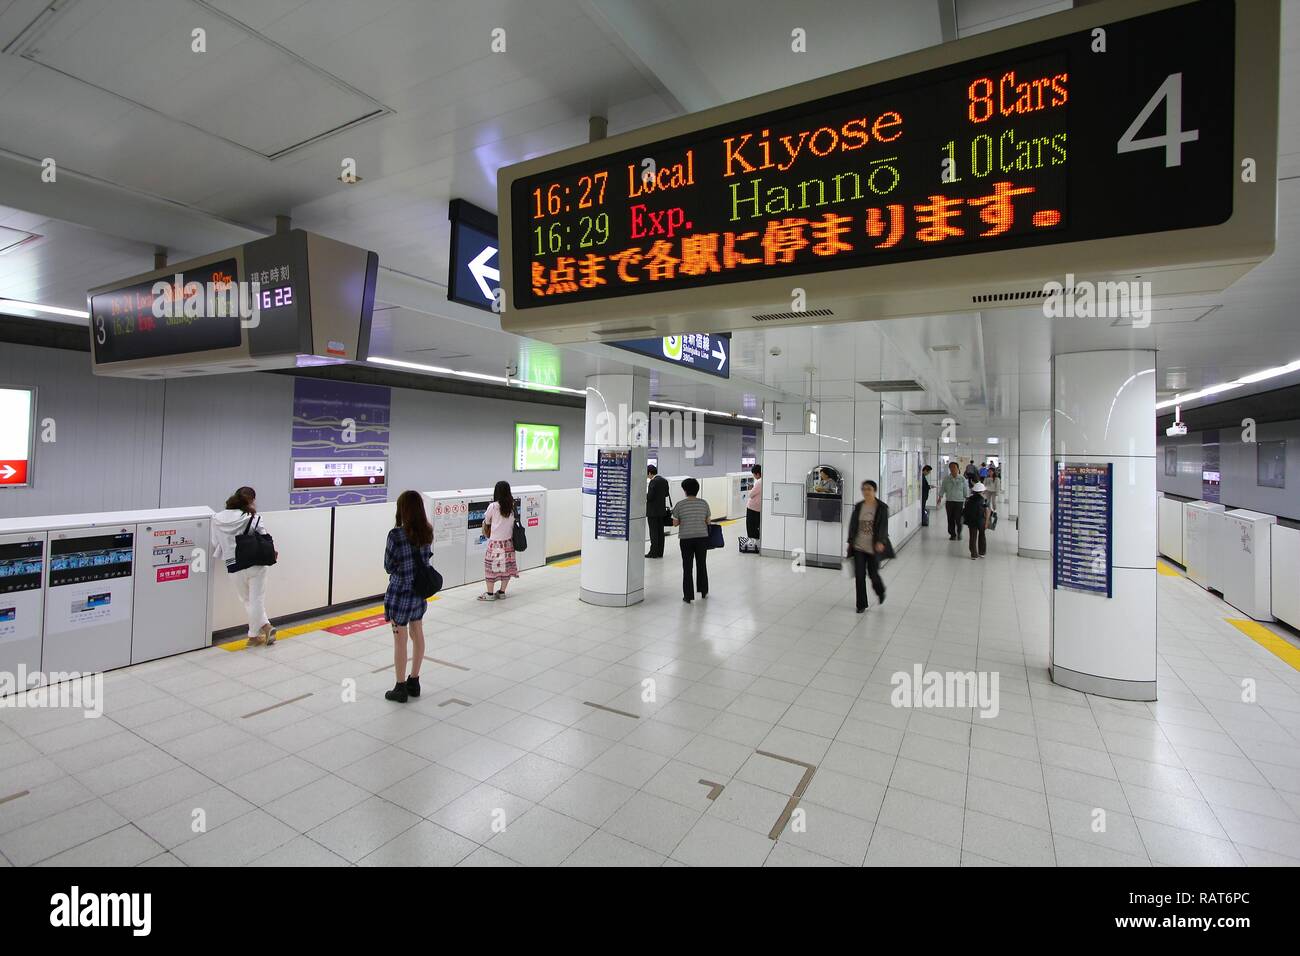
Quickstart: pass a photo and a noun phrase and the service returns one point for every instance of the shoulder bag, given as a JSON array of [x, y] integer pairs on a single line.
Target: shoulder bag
[[254, 547], [519, 537]]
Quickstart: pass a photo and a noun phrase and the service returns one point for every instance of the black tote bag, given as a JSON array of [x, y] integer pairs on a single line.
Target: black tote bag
[[519, 537], [253, 547]]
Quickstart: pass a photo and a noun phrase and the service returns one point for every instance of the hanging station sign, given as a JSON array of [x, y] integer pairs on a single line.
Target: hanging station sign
[[1072, 130]]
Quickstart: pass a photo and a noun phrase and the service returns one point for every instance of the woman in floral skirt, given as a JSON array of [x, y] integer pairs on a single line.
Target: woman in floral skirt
[[498, 528]]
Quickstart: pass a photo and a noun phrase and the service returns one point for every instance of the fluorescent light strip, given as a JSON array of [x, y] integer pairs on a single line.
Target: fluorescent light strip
[[439, 370], [37, 307], [1250, 379]]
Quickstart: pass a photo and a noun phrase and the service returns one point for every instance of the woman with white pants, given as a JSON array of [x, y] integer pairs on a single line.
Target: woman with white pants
[[241, 517]]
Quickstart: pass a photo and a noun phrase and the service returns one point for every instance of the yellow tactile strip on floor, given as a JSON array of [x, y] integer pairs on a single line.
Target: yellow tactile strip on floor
[[1167, 569], [1268, 640], [284, 633]]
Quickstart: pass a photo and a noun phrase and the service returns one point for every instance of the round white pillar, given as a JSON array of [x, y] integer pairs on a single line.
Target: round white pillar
[[1033, 491], [1104, 414], [613, 569]]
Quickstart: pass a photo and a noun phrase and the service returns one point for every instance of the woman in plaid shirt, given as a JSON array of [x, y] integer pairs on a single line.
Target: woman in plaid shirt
[[410, 541]]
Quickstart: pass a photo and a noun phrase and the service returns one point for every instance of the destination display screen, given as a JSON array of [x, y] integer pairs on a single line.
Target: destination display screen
[[21, 563], [196, 314], [93, 558], [1086, 136]]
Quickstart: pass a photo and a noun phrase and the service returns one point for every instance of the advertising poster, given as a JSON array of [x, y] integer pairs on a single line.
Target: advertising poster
[[1081, 557], [90, 581], [339, 427]]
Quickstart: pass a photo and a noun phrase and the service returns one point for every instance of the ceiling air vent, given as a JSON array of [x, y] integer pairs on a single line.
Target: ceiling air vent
[[929, 411], [11, 239], [777, 316], [1030, 295], [894, 385], [945, 348]]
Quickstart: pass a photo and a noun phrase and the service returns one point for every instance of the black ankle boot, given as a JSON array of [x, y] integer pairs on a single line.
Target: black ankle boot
[[398, 693], [413, 686]]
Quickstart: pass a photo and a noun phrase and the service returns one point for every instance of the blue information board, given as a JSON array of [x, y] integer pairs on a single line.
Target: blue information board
[[1082, 506], [696, 350], [473, 265], [613, 492]]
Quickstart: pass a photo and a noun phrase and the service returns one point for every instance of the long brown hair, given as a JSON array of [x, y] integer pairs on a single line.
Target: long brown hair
[[242, 499], [504, 499], [412, 519]]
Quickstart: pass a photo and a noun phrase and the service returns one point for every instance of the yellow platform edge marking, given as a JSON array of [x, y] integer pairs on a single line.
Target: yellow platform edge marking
[[1166, 569], [1268, 640], [567, 563], [284, 633]]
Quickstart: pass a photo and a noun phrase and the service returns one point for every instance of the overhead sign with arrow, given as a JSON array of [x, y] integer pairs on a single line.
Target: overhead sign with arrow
[[701, 351], [474, 270], [17, 428]]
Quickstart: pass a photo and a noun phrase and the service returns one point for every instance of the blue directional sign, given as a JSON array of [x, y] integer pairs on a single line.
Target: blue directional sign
[[474, 268], [698, 350]]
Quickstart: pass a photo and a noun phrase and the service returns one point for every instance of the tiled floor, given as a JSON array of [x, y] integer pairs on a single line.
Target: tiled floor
[[775, 662]]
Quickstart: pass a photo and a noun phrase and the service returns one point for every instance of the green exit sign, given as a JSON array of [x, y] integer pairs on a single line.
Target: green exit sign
[[537, 447]]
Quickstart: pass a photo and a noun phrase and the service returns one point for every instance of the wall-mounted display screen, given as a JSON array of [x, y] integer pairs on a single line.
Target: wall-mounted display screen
[[21, 565], [1053, 142], [93, 558], [17, 429], [1270, 464], [537, 447]]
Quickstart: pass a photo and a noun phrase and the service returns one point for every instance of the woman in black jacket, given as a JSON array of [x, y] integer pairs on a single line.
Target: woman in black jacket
[[869, 542]]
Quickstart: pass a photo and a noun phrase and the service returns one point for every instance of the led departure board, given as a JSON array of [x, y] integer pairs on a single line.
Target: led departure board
[[191, 312], [1077, 137]]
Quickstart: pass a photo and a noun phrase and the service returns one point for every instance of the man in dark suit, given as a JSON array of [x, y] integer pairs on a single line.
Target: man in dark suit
[[656, 509]]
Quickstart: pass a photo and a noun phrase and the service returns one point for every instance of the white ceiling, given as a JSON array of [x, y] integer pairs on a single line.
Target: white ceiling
[[147, 128]]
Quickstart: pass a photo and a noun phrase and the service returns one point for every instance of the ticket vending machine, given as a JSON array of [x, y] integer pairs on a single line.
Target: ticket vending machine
[[171, 605], [89, 591], [22, 601], [823, 517]]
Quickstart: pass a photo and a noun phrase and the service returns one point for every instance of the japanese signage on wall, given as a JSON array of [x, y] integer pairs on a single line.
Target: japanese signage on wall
[[1055, 141], [1082, 527], [613, 492], [340, 443]]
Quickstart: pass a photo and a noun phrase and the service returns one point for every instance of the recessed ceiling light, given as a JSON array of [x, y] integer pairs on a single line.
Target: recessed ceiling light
[[38, 307], [945, 348]]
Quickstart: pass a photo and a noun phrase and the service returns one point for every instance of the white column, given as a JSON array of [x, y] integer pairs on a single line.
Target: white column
[[1104, 412], [1033, 525], [613, 570], [1013, 476]]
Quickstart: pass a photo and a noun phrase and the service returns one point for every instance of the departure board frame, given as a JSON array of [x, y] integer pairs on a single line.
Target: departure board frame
[[1206, 249]]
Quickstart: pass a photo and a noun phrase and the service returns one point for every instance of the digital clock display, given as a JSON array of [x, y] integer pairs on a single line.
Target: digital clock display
[[1065, 140]]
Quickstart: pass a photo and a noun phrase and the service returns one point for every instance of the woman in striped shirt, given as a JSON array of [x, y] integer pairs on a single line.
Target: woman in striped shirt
[[691, 516]]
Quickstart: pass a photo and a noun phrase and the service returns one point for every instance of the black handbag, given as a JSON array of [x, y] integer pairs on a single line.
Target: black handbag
[[254, 548], [426, 581], [715, 537], [519, 537]]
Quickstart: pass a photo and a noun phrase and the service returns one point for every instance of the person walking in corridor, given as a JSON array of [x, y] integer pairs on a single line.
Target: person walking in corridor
[[954, 488], [975, 515], [691, 516], [869, 543], [925, 496], [656, 510], [410, 544]]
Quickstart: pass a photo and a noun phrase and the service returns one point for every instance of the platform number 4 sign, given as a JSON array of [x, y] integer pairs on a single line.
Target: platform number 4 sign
[[1171, 94]]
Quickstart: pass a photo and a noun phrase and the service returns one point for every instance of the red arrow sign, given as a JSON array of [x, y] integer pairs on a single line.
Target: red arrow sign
[[13, 472]]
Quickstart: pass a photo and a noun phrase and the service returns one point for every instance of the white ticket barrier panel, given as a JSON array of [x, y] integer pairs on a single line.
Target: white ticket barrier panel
[[1285, 572], [89, 586], [22, 601], [171, 588], [1245, 561], [1198, 545]]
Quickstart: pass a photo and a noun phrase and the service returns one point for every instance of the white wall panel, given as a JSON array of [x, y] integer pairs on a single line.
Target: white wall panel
[[298, 581], [360, 533]]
